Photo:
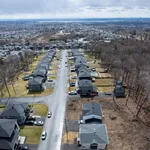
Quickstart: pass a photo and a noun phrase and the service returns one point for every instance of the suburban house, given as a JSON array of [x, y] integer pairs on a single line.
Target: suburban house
[[20, 112], [40, 73], [93, 136], [119, 91], [91, 113], [9, 134], [83, 74], [86, 88], [79, 64], [35, 84], [82, 68]]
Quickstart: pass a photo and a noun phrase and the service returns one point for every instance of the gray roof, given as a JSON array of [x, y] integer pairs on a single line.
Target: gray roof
[[91, 109], [85, 83], [93, 133], [40, 72], [6, 127], [35, 81], [84, 74], [14, 110]]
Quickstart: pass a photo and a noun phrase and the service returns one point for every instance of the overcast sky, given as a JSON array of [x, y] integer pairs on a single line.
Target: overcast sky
[[20, 9]]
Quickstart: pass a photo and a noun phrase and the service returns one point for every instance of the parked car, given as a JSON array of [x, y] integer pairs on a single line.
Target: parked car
[[108, 93], [50, 80], [44, 134], [23, 148], [73, 93], [29, 122], [93, 69], [49, 114], [74, 77], [38, 123], [72, 84], [26, 77], [31, 118]]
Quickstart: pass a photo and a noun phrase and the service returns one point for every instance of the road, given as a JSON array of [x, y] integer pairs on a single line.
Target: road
[[57, 105]]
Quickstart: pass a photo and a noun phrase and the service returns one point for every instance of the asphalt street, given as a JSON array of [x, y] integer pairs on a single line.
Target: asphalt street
[[56, 103]]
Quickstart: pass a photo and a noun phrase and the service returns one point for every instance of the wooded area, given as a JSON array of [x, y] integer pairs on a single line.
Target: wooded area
[[11, 66], [128, 60]]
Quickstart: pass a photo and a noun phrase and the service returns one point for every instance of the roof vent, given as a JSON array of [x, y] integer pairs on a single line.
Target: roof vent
[[92, 107]]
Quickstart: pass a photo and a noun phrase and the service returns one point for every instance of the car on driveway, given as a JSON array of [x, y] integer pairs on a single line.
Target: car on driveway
[[73, 93], [49, 114], [29, 122], [74, 77], [72, 84], [108, 93], [38, 123], [23, 148], [43, 136], [26, 77], [50, 80], [31, 118]]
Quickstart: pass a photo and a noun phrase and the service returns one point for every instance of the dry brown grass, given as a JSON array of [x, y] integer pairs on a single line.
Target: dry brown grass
[[105, 89], [20, 84], [69, 138], [99, 82], [124, 132]]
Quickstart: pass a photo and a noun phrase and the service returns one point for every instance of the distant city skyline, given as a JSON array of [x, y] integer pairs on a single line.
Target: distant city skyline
[[34, 9]]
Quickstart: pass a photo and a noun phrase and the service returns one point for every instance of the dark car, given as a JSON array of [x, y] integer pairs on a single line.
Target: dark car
[[26, 77], [29, 122], [31, 118], [23, 148], [72, 84]]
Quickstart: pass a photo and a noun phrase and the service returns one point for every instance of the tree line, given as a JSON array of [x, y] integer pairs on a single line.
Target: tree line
[[10, 68], [128, 60]]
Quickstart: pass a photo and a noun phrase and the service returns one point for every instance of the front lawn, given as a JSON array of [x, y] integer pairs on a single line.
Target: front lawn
[[32, 133], [40, 109]]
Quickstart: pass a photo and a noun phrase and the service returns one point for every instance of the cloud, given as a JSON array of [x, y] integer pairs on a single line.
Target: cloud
[[74, 8]]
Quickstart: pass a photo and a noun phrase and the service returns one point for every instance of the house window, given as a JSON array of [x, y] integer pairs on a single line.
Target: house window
[[94, 146]]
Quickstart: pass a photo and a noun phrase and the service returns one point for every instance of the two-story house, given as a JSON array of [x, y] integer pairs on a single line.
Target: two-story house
[[9, 134]]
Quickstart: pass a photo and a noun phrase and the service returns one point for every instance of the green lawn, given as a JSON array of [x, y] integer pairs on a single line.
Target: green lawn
[[40, 109], [32, 133]]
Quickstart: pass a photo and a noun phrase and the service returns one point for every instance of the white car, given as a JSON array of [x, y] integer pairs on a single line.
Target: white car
[[38, 123], [44, 134], [49, 114], [73, 93]]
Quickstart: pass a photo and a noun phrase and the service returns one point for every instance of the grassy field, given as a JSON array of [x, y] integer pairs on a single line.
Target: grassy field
[[101, 82], [105, 89], [40, 109], [20, 84], [32, 133]]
